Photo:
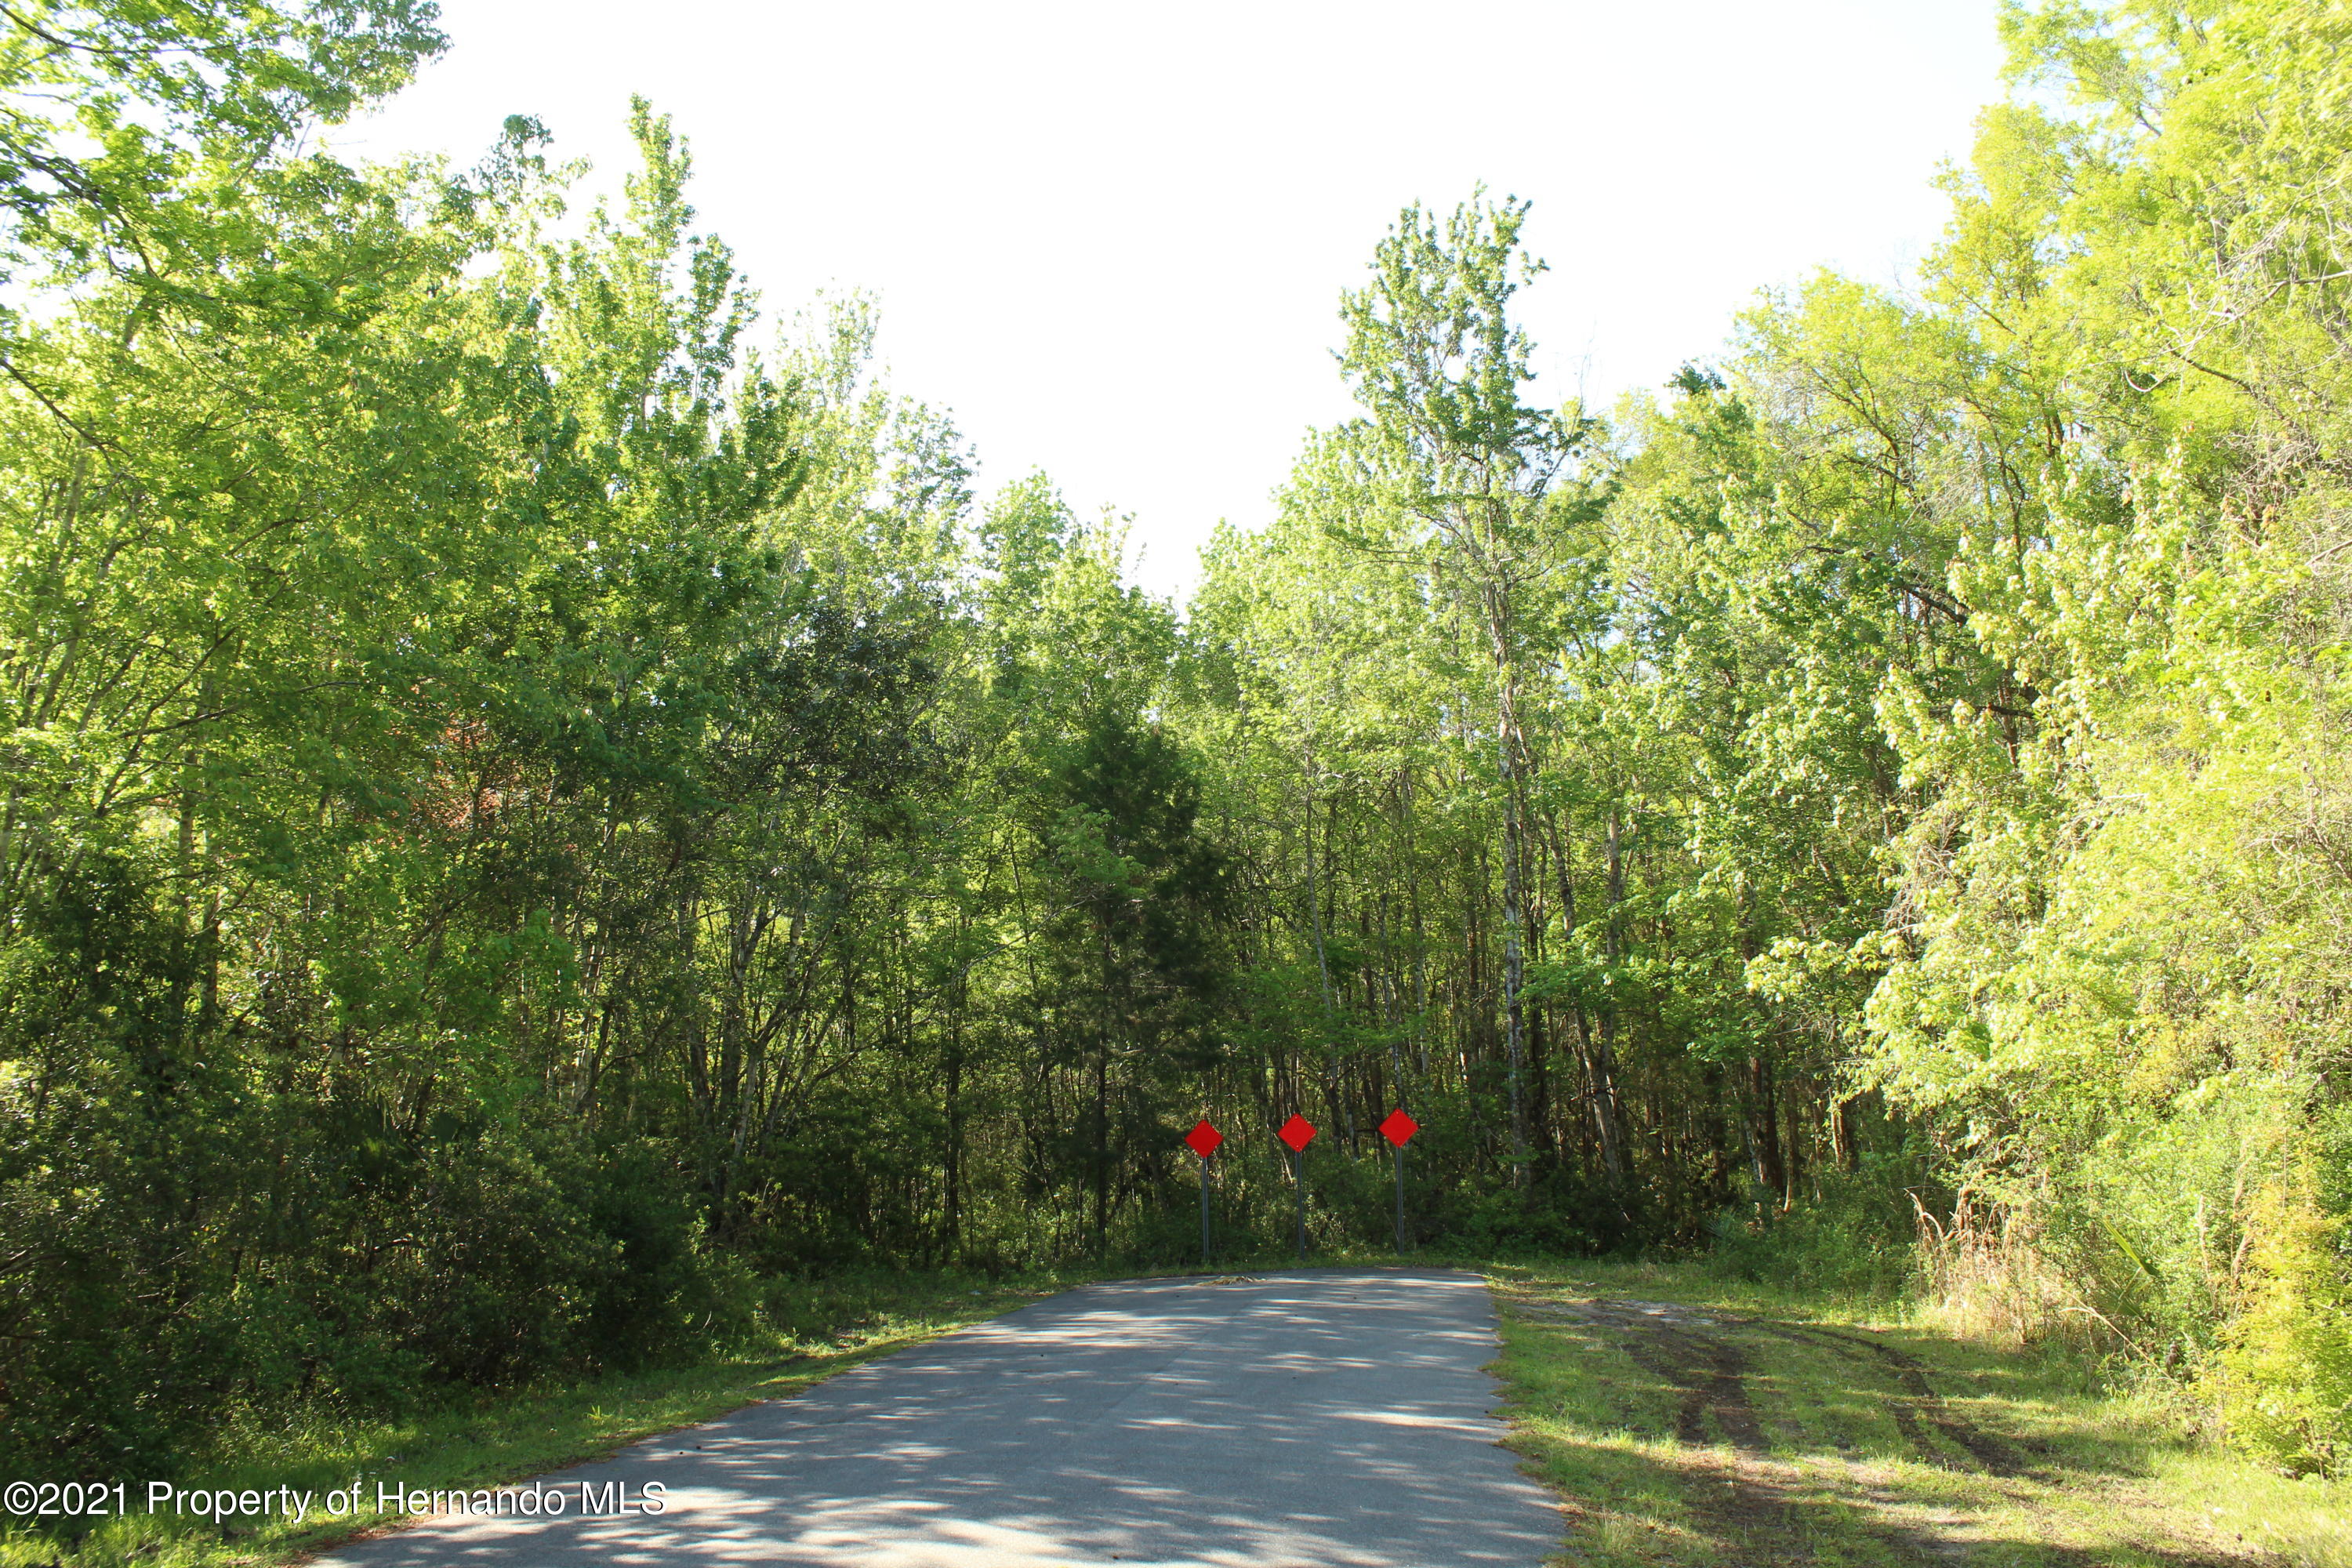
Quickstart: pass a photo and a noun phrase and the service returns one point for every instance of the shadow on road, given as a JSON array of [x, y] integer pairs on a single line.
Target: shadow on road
[[1329, 1417]]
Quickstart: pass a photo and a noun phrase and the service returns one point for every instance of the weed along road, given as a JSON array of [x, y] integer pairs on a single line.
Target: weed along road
[[1290, 1420]]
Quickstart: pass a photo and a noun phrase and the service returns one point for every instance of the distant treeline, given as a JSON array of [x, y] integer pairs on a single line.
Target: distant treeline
[[530, 808]]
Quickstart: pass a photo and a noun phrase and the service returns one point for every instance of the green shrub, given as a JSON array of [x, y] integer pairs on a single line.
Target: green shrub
[[1857, 1237], [2283, 1376]]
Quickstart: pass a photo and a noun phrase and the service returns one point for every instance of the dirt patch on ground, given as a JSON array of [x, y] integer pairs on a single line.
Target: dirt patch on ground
[[1678, 1343], [1918, 1403], [1708, 1373], [1769, 1506]]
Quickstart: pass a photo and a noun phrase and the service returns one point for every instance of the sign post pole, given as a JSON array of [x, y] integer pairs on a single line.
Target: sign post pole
[[1298, 1180], [1399, 1165], [1202, 1141], [1298, 1132], [1399, 1129], [1204, 1212]]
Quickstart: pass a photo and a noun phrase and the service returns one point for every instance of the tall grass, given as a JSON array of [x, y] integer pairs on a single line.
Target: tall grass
[[1983, 1273]]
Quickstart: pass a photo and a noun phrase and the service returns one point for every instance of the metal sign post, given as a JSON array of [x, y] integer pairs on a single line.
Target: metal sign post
[[1399, 1129], [1298, 1133], [1202, 1141]]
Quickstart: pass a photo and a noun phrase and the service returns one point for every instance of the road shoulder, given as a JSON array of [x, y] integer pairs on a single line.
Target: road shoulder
[[1687, 1420]]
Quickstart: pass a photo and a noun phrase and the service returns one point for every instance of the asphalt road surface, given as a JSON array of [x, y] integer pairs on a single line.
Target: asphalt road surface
[[1319, 1419]]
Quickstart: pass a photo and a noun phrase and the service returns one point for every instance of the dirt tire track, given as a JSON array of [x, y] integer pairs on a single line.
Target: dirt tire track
[[1748, 1499], [1920, 1400], [1709, 1375]]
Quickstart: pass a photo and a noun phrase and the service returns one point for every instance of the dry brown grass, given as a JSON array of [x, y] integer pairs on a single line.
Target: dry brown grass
[[1985, 1274]]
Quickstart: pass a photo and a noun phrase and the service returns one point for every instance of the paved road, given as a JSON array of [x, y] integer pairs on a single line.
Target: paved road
[[1320, 1419]]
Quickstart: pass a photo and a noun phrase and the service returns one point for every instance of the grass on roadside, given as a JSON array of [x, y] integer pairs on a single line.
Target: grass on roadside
[[822, 1328], [1686, 1419]]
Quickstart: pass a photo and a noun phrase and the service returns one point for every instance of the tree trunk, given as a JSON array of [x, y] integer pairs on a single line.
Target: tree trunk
[[1607, 1110], [1514, 901], [1102, 1145], [1599, 1056], [955, 1132], [1846, 1135], [1764, 1123], [1794, 1156], [1718, 1133]]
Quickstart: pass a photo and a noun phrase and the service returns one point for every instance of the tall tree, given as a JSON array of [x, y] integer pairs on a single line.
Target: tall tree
[[1452, 458]]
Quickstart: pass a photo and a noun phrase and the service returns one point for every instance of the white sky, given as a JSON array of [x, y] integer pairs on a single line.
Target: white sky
[[1110, 238]]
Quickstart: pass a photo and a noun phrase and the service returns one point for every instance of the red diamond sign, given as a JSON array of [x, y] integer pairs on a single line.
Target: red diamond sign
[[1298, 1132], [1203, 1139], [1399, 1128]]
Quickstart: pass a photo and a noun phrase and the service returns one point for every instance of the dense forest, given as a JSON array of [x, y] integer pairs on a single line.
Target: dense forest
[[536, 803]]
